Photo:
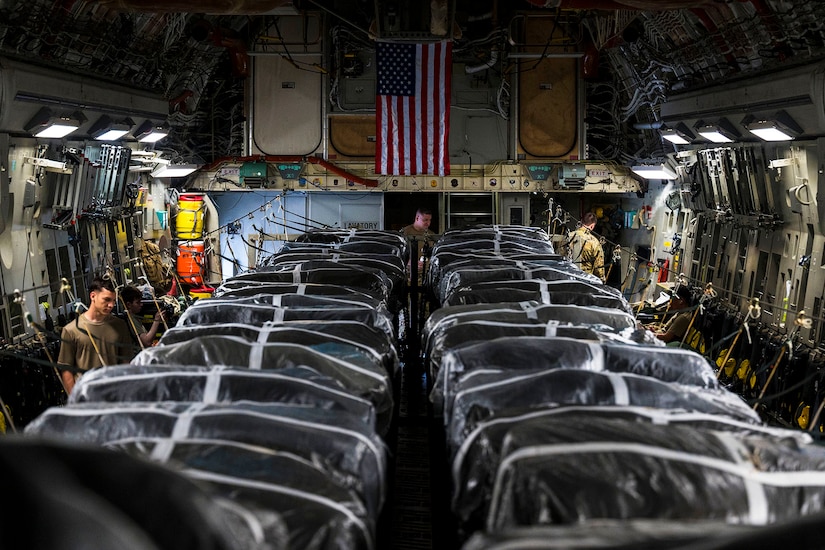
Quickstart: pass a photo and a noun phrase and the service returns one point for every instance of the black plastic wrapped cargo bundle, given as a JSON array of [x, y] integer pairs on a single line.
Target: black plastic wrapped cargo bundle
[[503, 258], [542, 315], [322, 336], [512, 356], [299, 385], [370, 281], [392, 273], [390, 264], [641, 534], [531, 237], [455, 277], [479, 395], [318, 509], [301, 300], [207, 312], [386, 261], [367, 379], [342, 445], [291, 301], [526, 312], [546, 292], [355, 247], [231, 287], [498, 231], [488, 246], [445, 261], [476, 331], [349, 235], [567, 471], [66, 496], [480, 455]]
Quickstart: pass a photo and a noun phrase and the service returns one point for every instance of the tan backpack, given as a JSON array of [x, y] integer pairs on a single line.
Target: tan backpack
[[150, 255]]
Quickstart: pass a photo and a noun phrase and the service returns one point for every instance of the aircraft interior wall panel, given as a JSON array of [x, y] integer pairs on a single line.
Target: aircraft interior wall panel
[[286, 107], [477, 137], [353, 136], [548, 109], [5, 210], [336, 209], [20, 221]]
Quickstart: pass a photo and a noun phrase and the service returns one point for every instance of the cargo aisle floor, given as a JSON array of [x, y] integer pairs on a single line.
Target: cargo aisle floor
[[411, 497], [413, 516]]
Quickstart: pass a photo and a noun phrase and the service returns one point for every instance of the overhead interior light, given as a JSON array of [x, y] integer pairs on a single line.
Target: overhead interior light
[[779, 127], [720, 132], [679, 135], [46, 124], [106, 129], [660, 171], [173, 170], [150, 132]]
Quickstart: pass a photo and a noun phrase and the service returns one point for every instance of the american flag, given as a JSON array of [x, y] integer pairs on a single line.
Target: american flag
[[413, 108]]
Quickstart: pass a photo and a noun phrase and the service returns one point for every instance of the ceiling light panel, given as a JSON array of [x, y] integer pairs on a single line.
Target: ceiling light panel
[[655, 172]]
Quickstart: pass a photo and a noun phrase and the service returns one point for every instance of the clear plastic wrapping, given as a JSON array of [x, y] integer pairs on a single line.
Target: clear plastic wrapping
[[321, 335], [299, 385], [477, 460], [372, 282], [346, 448], [208, 312], [479, 395], [512, 357], [546, 292], [526, 312], [568, 470], [455, 277], [368, 379], [234, 287]]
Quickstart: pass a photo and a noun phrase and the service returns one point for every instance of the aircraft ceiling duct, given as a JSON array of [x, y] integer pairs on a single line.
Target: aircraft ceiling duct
[[799, 92], [211, 7], [642, 5], [26, 89]]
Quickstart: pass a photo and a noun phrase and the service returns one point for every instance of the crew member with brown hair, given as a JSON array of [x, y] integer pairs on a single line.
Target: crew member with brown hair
[[96, 337]]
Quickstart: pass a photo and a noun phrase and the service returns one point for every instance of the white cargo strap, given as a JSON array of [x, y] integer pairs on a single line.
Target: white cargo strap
[[757, 499], [521, 265], [278, 316], [301, 290], [256, 355], [597, 362], [351, 235], [621, 395], [496, 247], [545, 294], [276, 300], [180, 431], [296, 274], [335, 257], [212, 384], [550, 328], [529, 310]]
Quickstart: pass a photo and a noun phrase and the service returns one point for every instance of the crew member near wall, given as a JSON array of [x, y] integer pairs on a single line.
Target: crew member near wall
[[96, 337], [133, 301], [584, 248], [674, 330], [419, 228]]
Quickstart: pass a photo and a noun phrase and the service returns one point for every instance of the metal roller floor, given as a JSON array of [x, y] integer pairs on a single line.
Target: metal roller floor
[[418, 498]]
